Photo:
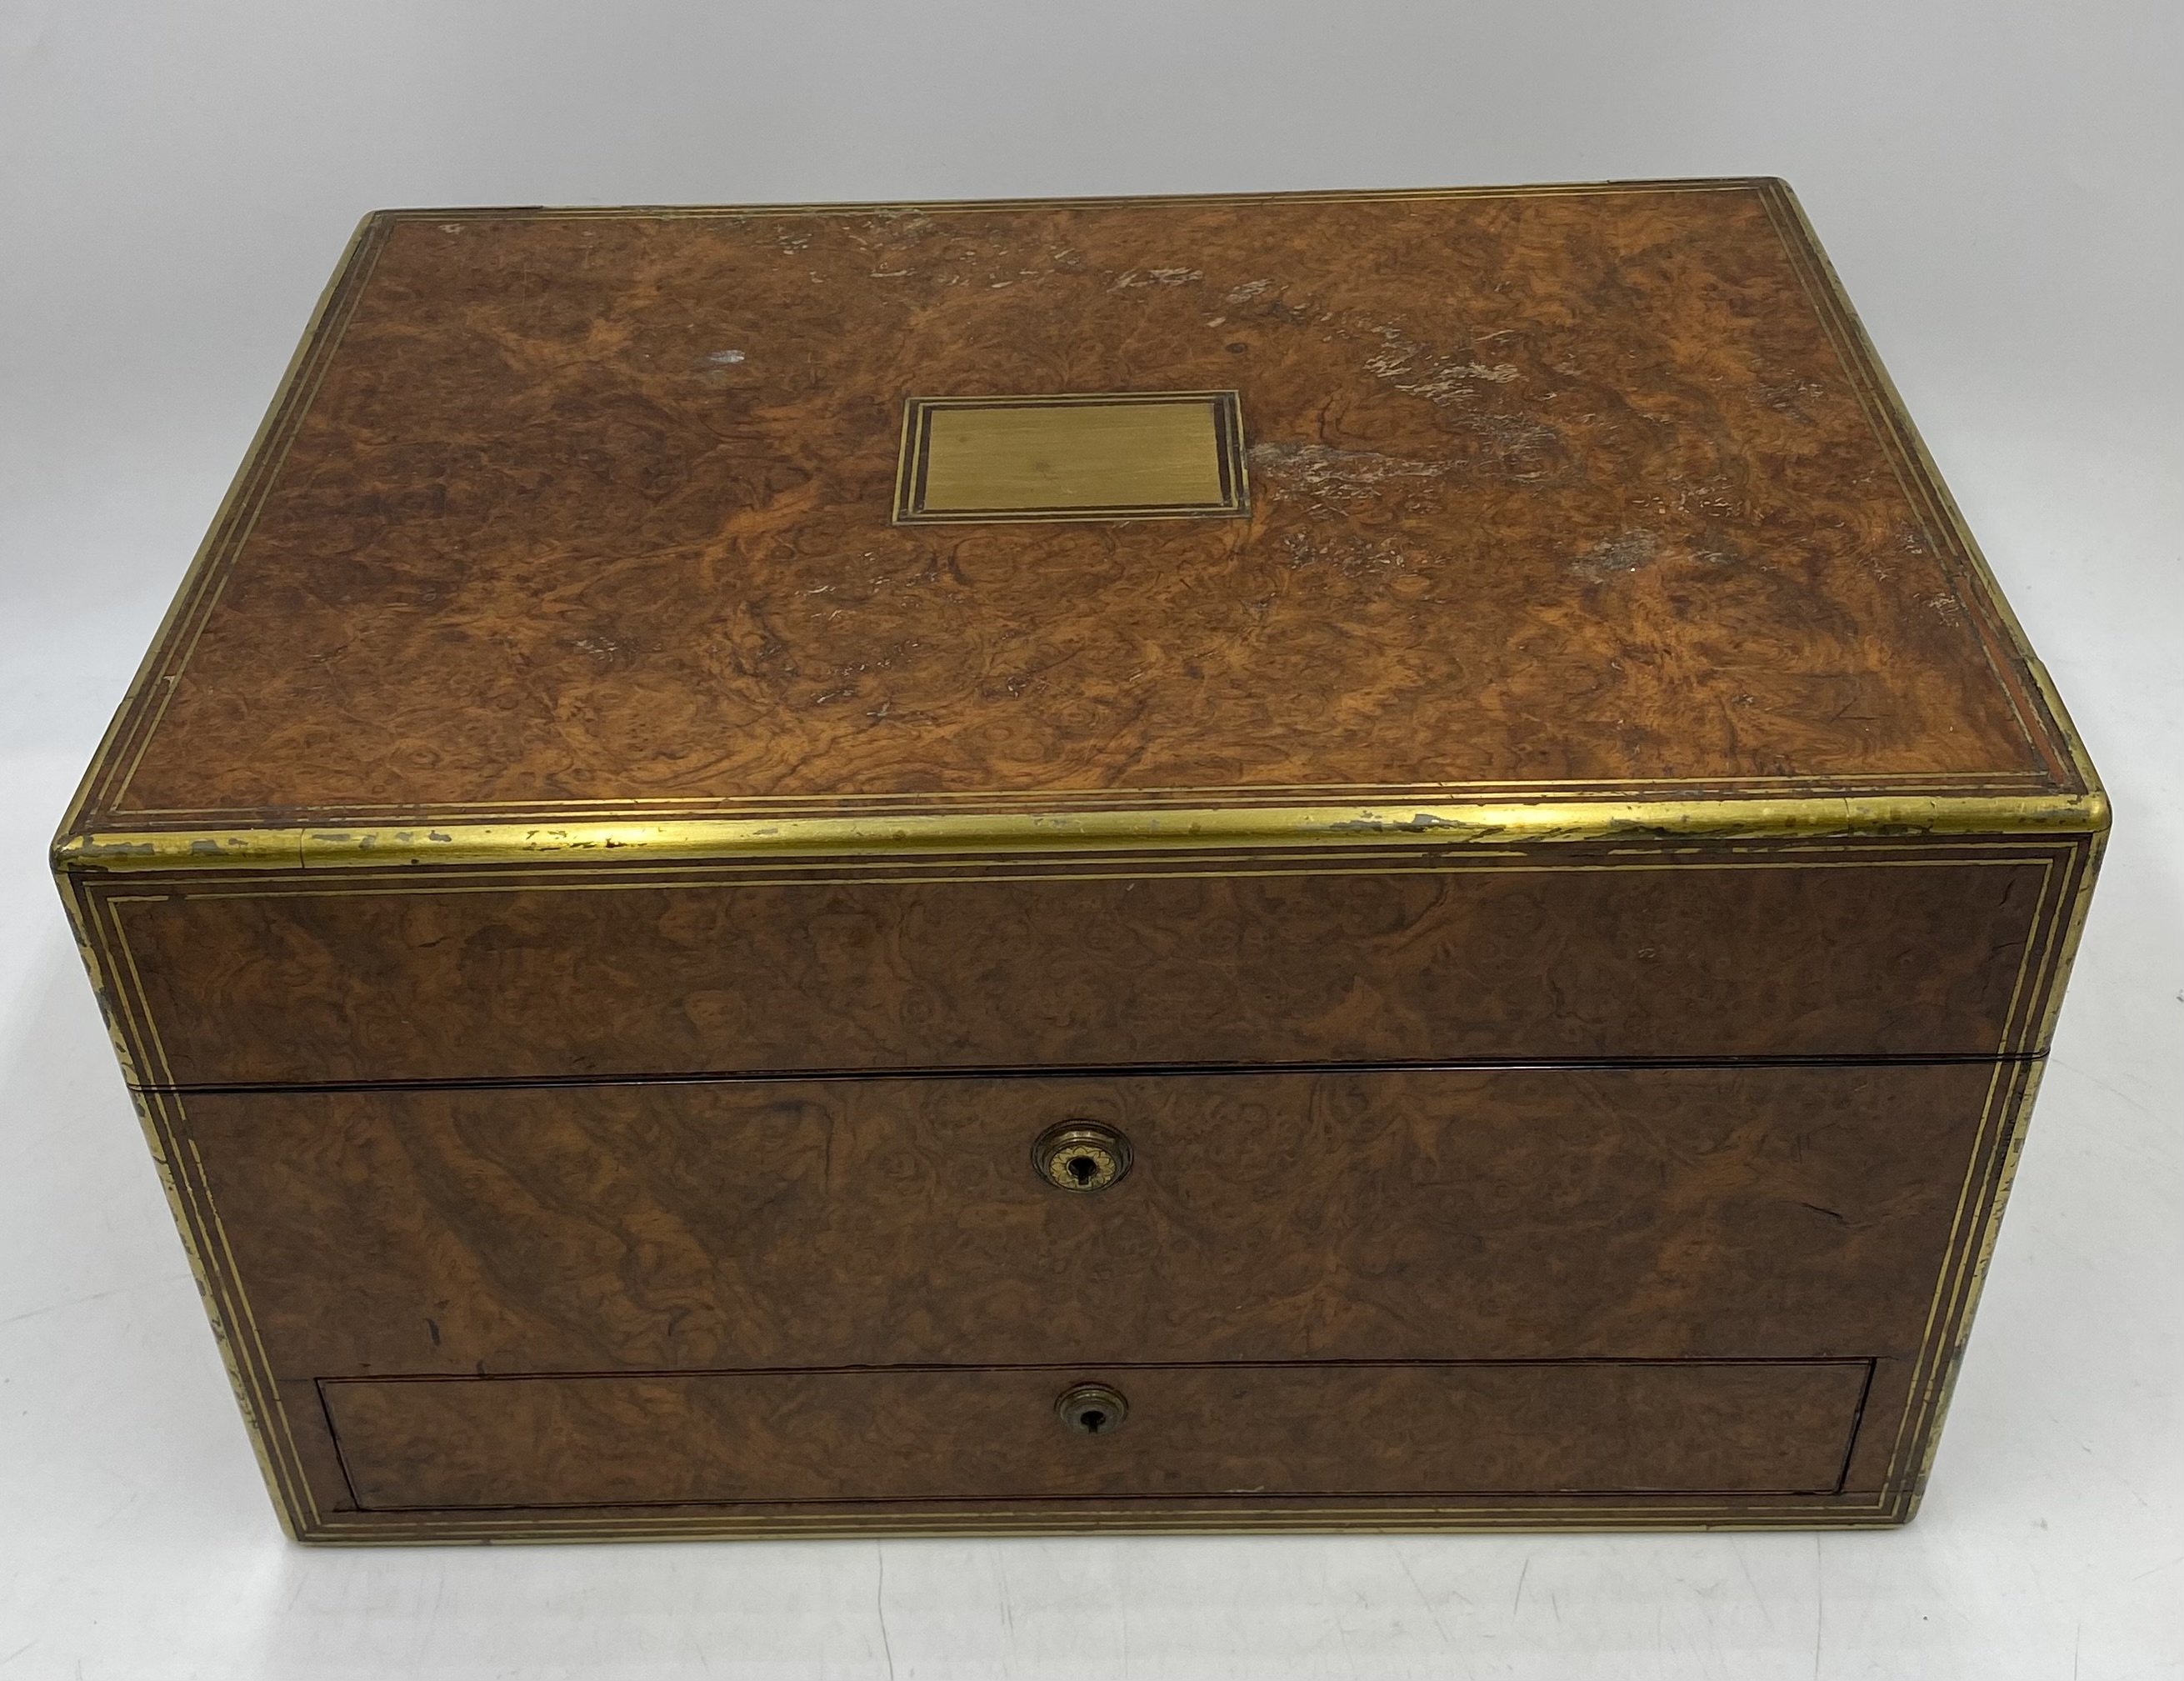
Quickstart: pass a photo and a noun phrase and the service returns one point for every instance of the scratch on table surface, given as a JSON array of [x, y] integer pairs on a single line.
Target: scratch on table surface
[[1424, 1603], [1744, 1564], [2068, 1066], [72, 1301], [1518, 1598], [1008, 1609], [879, 1605], [1820, 1603]]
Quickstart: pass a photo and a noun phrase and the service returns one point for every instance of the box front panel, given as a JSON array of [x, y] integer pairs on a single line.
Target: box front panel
[[1645, 951], [408, 1262], [1183, 1432], [1779, 1212]]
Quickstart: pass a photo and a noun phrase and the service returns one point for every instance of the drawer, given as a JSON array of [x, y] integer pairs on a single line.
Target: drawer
[[1783, 1212], [1848, 949], [1270, 1430]]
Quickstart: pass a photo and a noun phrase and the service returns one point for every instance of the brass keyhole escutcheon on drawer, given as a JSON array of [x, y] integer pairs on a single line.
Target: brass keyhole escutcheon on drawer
[[1092, 1409], [1081, 1155]]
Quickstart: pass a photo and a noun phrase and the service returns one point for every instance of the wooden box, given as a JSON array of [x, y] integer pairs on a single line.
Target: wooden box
[[1339, 861]]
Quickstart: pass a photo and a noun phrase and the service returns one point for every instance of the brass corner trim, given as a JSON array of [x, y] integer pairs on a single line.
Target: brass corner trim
[[138, 714], [1505, 823], [1779, 193]]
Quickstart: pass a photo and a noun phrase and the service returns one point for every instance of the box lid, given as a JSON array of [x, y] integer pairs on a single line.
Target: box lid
[[1457, 515]]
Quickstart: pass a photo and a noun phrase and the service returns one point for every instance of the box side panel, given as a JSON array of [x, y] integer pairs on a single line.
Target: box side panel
[[212, 1263]]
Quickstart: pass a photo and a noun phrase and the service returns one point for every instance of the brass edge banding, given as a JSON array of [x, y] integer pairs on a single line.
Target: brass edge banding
[[924, 206], [1886, 816]]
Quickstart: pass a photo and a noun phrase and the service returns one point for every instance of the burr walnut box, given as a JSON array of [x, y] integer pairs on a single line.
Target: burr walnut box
[[1337, 861]]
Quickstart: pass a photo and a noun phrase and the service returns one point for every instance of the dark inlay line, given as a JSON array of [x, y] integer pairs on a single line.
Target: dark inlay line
[[1464, 1363], [1856, 1423], [1098, 1071], [975, 1503]]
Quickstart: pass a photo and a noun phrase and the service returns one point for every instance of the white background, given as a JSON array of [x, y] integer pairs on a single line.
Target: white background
[[1999, 186]]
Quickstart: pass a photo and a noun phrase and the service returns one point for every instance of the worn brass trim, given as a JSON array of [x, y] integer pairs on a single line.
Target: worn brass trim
[[1500, 823]]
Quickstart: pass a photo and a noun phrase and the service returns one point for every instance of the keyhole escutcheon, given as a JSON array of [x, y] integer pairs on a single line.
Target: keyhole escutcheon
[[1081, 1155], [1092, 1409]]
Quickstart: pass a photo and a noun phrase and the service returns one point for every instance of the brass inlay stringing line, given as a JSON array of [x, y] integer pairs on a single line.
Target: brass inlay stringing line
[[1380, 793], [450, 885]]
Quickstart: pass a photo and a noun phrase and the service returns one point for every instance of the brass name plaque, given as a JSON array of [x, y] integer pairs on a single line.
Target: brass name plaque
[[1151, 454]]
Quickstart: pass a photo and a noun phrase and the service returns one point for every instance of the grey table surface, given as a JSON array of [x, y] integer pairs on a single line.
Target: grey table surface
[[1999, 186]]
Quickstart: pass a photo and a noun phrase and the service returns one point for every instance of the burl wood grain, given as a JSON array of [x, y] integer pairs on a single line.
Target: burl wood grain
[[1648, 953], [1788, 1212], [968, 1436], [1571, 486]]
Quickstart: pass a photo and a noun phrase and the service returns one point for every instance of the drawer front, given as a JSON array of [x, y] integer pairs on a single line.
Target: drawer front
[[1849, 949], [1783, 1212], [1268, 1430]]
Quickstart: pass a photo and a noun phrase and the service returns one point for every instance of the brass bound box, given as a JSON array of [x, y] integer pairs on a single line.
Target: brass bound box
[[1336, 861]]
